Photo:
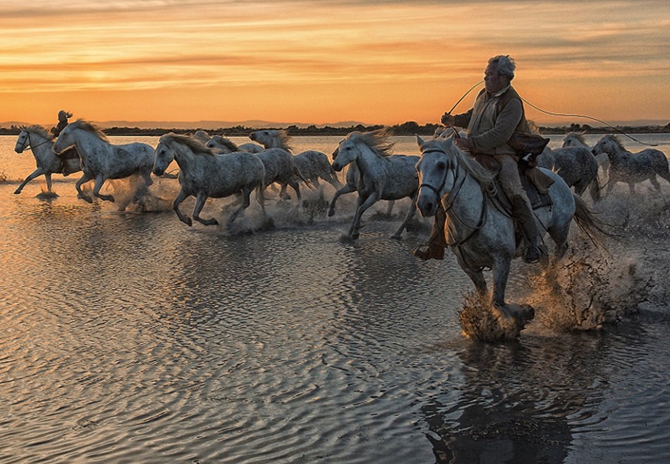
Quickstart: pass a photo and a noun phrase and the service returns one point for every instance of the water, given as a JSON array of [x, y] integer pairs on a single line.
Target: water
[[130, 337]]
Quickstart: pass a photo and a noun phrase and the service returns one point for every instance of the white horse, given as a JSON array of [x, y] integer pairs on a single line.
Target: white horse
[[383, 176], [480, 232], [204, 174], [312, 164], [221, 144], [100, 160], [41, 142], [576, 139], [632, 168], [576, 165], [352, 178]]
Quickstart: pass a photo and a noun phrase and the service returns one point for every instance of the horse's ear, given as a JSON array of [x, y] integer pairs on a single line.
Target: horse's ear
[[456, 134], [419, 140]]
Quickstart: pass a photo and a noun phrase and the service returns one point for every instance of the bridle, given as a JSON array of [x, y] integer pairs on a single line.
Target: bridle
[[30, 146], [448, 208]]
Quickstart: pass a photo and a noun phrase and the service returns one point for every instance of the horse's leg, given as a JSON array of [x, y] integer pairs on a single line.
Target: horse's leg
[[294, 185], [354, 230], [389, 208], [408, 217], [99, 180], [246, 193], [36, 172], [500, 276], [631, 188], [181, 197], [477, 278], [282, 193], [199, 204], [655, 183], [260, 199], [85, 178], [346, 189]]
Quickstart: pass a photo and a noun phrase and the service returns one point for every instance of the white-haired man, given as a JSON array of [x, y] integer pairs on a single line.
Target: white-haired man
[[497, 113]]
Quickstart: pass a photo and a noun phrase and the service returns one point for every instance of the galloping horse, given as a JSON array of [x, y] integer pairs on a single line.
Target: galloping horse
[[576, 165], [37, 139], [383, 176], [101, 160], [312, 164], [576, 139], [205, 174], [479, 231], [632, 168], [351, 185]]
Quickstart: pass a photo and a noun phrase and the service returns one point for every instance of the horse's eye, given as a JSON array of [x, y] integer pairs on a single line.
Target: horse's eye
[[441, 165]]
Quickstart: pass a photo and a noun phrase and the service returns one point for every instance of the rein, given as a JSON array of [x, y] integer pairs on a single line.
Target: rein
[[30, 145], [449, 208]]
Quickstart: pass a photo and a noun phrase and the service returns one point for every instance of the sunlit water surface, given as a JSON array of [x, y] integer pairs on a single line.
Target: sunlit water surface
[[130, 337]]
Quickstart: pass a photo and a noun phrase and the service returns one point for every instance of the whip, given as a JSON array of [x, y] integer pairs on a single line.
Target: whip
[[551, 113]]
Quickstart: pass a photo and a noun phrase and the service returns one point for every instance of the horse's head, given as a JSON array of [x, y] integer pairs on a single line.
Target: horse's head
[[23, 141], [271, 138], [608, 144], [346, 152], [163, 155], [436, 172]]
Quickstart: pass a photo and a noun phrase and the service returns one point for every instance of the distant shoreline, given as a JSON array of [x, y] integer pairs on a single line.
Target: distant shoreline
[[407, 128]]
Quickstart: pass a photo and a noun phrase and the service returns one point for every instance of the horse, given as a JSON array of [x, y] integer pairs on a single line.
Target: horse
[[479, 231], [37, 139], [101, 160], [204, 174], [632, 168], [351, 185], [312, 164], [383, 176], [576, 139], [576, 165], [222, 144]]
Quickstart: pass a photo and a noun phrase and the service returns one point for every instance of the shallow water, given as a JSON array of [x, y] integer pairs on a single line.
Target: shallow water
[[130, 337]]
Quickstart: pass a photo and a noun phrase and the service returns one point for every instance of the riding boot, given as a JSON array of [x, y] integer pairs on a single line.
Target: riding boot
[[436, 243], [524, 215]]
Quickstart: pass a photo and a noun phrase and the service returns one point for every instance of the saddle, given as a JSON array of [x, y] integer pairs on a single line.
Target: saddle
[[534, 182]]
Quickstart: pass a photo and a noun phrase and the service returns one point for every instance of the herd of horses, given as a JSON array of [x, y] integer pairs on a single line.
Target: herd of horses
[[480, 230]]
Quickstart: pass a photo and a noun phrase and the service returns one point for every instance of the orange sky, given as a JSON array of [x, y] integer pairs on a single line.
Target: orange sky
[[379, 62]]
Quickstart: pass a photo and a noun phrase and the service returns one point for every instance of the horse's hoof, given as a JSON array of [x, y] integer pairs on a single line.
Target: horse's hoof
[[331, 213], [503, 312], [396, 237], [16, 192]]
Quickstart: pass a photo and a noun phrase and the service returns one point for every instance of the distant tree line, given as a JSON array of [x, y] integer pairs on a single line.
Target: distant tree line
[[406, 128]]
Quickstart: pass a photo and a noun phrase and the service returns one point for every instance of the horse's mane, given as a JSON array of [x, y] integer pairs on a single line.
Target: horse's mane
[[578, 135], [39, 130], [616, 140], [229, 144], [482, 175], [89, 127], [195, 145], [377, 140], [284, 140]]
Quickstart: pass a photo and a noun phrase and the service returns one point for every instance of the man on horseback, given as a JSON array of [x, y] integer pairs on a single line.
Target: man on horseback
[[70, 158], [497, 113]]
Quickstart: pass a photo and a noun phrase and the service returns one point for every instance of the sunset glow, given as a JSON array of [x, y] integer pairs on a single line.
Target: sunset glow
[[382, 62]]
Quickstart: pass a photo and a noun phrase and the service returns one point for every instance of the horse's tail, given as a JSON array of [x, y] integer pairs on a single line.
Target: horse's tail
[[593, 227]]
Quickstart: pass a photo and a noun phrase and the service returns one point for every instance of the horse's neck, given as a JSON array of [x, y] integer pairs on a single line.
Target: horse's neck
[[185, 158], [368, 162], [41, 147], [276, 142], [89, 145], [465, 200]]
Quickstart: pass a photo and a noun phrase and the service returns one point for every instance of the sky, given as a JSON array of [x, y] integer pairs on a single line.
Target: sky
[[321, 62]]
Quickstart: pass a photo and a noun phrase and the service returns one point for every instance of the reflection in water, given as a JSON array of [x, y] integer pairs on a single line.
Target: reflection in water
[[129, 337]]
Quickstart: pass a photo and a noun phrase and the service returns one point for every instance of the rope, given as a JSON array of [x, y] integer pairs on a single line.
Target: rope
[[550, 113]]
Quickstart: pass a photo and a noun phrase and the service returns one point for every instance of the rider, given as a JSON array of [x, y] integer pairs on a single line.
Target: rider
[[69, 156], [63, 117], [496, 115]]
